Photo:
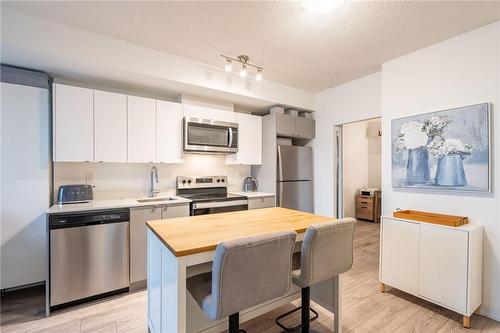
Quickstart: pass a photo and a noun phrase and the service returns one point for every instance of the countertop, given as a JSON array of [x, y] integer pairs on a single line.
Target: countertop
[[131, 202], [254, 194], [113, 203], [195, 234]]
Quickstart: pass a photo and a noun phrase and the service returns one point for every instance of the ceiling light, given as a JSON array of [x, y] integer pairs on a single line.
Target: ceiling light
[[322, 6], [258, 77], [245, 65], [243, 71], [229, 65]]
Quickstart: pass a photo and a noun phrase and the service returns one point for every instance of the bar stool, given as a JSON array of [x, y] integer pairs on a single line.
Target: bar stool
[[245, 272], [327, 251]]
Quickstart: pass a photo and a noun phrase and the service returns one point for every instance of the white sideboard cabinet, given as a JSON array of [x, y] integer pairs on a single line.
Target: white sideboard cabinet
[[437, 263]]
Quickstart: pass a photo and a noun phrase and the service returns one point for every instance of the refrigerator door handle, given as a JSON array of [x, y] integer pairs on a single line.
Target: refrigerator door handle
[[280, 165], [280, 194]]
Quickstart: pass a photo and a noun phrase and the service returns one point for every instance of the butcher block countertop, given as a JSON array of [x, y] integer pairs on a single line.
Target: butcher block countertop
[[195, 234]]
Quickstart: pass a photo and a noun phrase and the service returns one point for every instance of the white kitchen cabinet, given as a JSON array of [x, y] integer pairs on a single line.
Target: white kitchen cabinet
[[138, 241], [438, 246], [172, 211], [73, 124], [203, 112], [261, 202], [141, 129], [440, 264], [138, 234], [249, 141], [400, 246], [110, 126], [169, 132]]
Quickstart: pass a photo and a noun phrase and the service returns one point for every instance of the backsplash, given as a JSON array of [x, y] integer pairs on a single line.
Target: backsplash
[[128, 180]]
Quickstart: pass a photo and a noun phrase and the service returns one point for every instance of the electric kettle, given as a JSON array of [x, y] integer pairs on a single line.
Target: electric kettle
[[250, 184]]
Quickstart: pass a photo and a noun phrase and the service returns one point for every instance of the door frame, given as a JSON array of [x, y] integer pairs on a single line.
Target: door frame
[[339, 165]]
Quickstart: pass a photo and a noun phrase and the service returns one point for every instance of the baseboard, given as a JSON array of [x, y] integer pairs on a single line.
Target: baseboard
[[24, 286], [489, 315]]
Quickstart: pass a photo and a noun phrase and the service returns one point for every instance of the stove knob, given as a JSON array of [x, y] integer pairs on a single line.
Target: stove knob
[[189, 181], [218, 180], [184, 181], [223, 180]]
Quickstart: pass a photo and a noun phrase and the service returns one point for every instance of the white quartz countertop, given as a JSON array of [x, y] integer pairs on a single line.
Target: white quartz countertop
[[254, 194], [114, 203], [132, 202]]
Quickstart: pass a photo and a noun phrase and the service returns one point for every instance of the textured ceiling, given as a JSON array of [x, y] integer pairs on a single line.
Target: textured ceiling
[[296, 47]]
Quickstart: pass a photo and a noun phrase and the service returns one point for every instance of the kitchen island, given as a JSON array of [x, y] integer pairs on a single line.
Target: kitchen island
[[182, 247]]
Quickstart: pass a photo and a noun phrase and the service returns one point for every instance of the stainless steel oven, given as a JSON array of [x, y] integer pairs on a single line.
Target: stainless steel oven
[[209, 195], [210, 136]]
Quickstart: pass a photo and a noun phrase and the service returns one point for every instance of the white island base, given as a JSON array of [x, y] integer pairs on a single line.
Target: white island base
[[171, 309]]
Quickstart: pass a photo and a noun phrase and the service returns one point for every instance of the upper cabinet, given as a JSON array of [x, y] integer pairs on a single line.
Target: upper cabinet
[[73, 124], [295, 127], [99, 126], [168, 132], [141, 129], [249, 141], [110, 126]]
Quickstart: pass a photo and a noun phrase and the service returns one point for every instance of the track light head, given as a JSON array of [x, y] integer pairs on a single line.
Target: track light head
[[243, 71], [229, 65], [258, 77]]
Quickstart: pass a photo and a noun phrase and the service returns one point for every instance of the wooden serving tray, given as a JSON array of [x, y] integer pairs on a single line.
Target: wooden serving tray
[[415, 215]]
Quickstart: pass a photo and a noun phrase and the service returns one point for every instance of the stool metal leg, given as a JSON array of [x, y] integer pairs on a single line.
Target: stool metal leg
[[304, 308], [234, 324]]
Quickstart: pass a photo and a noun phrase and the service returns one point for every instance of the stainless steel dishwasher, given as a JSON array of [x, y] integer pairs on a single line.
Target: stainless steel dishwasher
[[89, 256]]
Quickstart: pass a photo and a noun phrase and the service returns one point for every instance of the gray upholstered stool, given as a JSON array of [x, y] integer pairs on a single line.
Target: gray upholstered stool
[[327, 251], [245, 272]]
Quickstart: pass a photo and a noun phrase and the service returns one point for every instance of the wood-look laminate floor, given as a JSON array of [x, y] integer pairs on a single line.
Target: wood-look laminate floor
[[365, 309]]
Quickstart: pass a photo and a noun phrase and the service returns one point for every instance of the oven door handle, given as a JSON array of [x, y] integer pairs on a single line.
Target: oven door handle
[[201, 205]]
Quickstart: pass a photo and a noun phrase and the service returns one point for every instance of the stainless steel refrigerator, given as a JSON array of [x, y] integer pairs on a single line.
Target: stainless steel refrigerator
[[294, 180]]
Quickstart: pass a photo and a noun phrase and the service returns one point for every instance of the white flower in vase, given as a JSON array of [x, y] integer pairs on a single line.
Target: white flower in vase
[[412, 136], [440, 148]]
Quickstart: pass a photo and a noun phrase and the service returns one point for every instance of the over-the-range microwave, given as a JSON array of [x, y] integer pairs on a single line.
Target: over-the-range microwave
[[210, 136]]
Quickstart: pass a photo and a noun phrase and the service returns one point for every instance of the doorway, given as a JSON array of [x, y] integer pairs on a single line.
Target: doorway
[[358, 169]]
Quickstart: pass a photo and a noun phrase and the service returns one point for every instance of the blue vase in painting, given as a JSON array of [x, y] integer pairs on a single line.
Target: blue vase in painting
[[417, 169], [450, 171]]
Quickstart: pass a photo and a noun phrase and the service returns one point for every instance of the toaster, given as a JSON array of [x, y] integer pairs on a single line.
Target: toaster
[[74, 194]]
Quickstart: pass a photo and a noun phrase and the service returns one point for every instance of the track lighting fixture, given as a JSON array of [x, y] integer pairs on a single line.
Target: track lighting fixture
[[245, 64]]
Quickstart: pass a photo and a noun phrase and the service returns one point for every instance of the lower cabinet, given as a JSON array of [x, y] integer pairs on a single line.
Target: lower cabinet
[[440, 264], [138, 234], [261, 202]]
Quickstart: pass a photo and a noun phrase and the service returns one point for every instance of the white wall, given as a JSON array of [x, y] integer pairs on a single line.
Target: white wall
[[362, 160], [460, 71], [353, 101], [126, 180]]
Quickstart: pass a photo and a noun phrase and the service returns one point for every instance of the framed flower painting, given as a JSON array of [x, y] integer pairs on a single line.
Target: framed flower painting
[[444, 150]]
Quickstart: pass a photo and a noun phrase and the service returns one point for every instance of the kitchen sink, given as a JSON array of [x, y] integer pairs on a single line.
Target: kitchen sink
[[155, 200]]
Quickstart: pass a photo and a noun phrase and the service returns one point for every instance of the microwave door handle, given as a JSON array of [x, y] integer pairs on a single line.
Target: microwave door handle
[[230, 137]]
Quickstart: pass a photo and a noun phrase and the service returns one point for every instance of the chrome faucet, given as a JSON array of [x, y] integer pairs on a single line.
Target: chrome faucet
[[155, 185]]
